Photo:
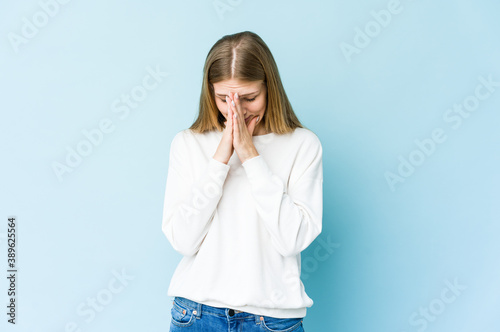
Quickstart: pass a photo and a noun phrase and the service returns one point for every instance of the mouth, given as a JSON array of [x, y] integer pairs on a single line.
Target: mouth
[[246, 119]]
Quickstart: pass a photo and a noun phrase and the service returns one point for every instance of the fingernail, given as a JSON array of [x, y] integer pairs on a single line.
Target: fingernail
[[232, 101], [236, 95], [258, 118]]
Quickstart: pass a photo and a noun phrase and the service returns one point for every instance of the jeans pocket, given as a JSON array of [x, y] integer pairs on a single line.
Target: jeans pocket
[[182, 316], [281, 324]]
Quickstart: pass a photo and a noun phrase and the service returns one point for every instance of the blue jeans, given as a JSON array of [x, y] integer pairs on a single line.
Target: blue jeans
[[189, 315]]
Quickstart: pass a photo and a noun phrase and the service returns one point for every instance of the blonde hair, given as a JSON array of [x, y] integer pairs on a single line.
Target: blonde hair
[[244, 56]]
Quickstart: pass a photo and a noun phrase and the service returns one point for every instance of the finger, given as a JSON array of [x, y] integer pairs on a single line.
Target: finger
[[229, 114], [236, 130], [239, 111], [240, 122], [232, 104], [236, 124], [237, 105], [236, 117]]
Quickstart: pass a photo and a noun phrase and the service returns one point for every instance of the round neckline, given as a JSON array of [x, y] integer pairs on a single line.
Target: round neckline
[[254, 136], [264, 136]]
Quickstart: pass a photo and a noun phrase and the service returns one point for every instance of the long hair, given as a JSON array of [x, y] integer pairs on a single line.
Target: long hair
[[244, 56]]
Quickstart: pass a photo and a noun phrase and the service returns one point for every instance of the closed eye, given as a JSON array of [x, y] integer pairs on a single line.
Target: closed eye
[[246, 99]]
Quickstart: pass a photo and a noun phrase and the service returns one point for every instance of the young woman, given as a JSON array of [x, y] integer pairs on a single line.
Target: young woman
[[241, 219]]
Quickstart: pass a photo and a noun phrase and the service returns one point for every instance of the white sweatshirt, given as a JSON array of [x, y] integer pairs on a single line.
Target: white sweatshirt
[[241, 227]]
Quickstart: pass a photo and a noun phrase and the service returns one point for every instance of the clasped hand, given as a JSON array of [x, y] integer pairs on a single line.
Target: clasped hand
[[237, 132]]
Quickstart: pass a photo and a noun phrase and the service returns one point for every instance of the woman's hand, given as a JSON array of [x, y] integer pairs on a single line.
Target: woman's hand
[[225, 149], [242, 132]]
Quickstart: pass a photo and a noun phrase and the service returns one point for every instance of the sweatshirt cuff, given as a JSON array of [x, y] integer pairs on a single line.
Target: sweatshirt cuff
[[215, 166], [257, 170]]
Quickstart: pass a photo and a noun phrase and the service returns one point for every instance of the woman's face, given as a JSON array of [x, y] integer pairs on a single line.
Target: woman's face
[[253, 98]]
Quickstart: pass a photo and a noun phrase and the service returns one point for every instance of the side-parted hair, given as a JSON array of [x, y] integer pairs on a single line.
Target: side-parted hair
[[244, 56]]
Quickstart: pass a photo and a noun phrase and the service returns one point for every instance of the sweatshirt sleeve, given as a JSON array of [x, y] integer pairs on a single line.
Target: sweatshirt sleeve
[[293, 219], [190, 203]]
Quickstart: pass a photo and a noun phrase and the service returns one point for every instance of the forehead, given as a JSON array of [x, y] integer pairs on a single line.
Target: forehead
[[233, 85]]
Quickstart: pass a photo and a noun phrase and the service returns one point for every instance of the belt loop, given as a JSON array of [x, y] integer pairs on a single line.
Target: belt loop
[[198, 309]]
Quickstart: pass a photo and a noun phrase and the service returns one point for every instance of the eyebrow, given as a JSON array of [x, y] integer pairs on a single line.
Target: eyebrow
[[246, 94]]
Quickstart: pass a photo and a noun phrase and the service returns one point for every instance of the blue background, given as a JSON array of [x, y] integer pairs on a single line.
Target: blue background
[[395, 246]]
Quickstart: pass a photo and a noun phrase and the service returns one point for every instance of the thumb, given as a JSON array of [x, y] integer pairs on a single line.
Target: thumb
[[252, 124]]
